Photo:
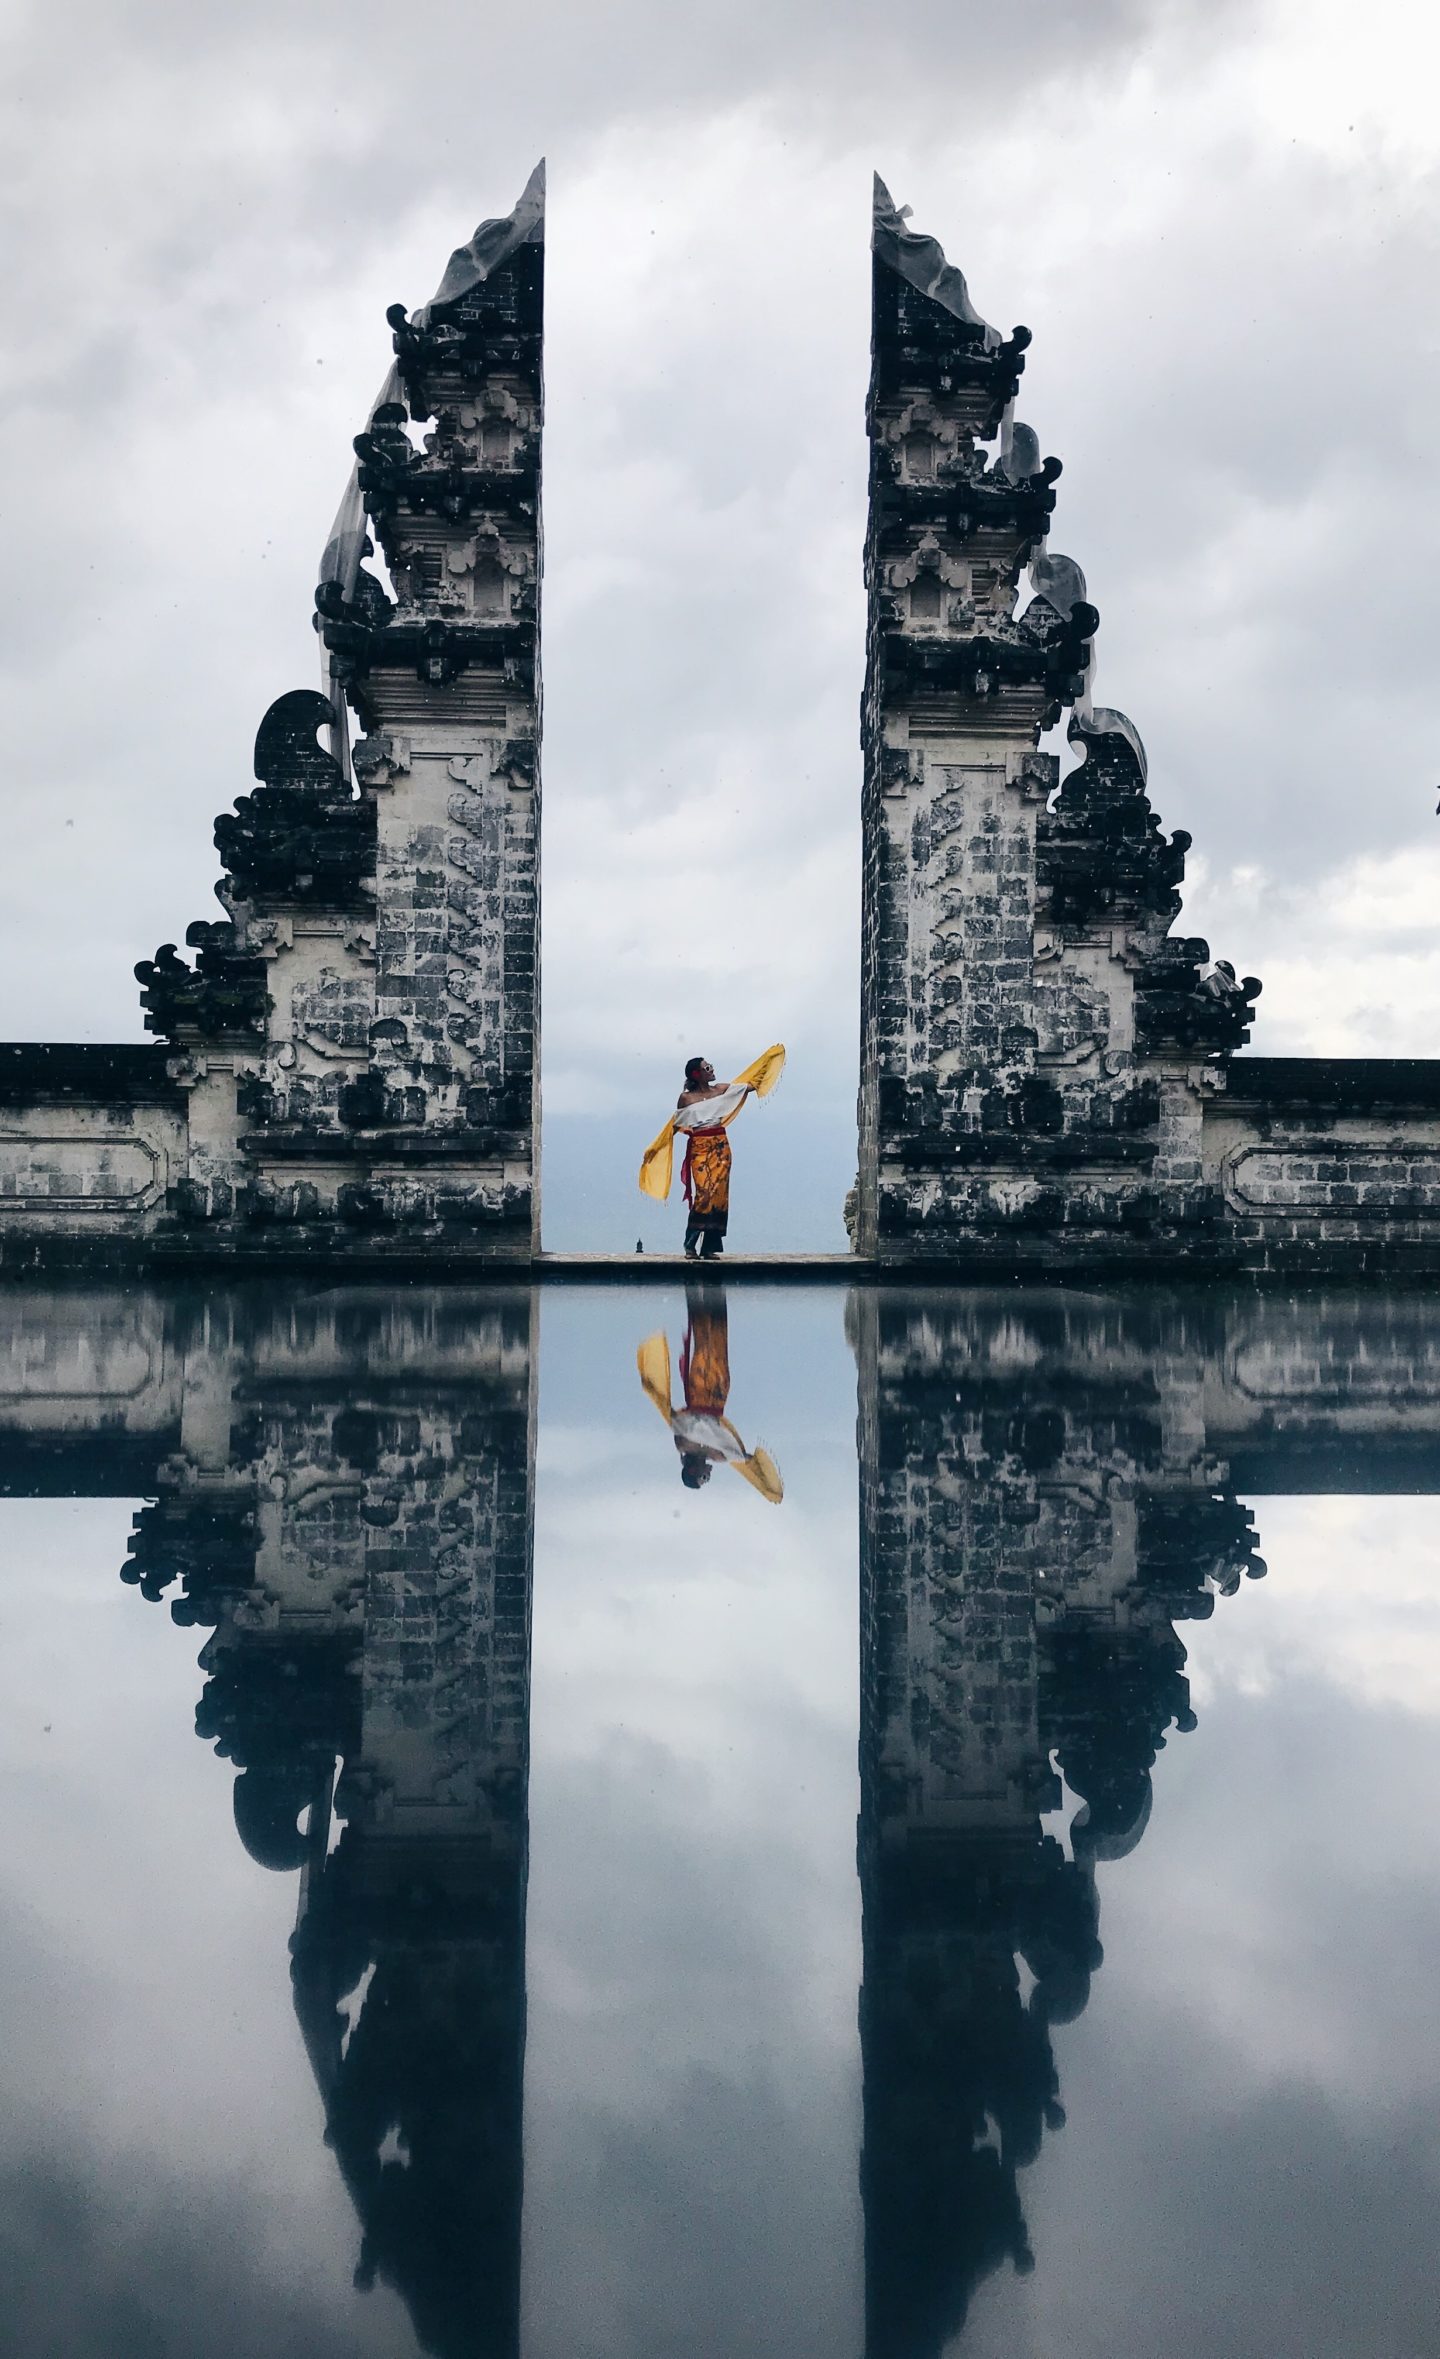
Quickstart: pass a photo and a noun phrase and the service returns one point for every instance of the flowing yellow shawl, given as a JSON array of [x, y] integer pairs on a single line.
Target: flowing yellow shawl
[[657, 1162]]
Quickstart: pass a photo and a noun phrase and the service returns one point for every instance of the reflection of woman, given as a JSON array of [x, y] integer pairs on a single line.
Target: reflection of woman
[[704, 1113], [702, 1432]]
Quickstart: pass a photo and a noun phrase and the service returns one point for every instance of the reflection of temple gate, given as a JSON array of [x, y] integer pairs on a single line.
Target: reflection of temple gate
[[342, 1490], [343, 1499], [1047, 1492]]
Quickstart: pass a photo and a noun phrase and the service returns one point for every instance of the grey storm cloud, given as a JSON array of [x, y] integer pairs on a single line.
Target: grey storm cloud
[[1218, 222]]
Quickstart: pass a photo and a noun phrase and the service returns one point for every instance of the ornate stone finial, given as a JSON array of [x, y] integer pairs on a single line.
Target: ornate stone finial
[[922, 261], [222, 997], [304, 838], [1100, 850], [1020, 458], [286, 752], [1088, 730], [1059, 581], [492, 244]]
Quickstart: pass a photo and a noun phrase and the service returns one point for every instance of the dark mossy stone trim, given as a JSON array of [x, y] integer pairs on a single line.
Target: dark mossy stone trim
[[87, 1465], [44, 1073], [1337, 1082]]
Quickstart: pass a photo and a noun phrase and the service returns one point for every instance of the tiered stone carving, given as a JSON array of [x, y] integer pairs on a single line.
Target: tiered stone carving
[[359, 1037], [1034, 1046]]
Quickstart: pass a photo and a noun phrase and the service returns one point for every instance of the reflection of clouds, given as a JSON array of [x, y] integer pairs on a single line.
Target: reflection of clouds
[[1263, 2222], [577, 1452], [1353, 1605], [692, 2099], [1288, 1904], [124, 2257], [730, 1618], [161, 2143], [1251, 2154]]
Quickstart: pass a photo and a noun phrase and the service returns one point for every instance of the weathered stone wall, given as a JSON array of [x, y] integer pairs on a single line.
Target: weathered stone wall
[[1326, 1162], [91, 1140]]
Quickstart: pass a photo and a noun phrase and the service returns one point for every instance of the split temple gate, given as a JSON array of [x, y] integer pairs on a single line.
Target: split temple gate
[[346, 1068]]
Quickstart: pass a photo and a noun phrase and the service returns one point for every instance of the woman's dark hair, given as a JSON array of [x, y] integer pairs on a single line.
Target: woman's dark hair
[[694, 1469], [692, 1067]]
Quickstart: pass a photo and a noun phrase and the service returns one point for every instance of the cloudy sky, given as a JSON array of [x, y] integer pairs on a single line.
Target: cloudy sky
[[1218, 220]]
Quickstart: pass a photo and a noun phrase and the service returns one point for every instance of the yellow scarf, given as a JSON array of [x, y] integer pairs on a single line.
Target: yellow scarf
[[658, 1161]]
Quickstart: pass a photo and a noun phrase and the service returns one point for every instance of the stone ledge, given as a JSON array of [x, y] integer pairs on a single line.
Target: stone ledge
[[1347, 1083], [369, 1147], [1105, 1154], [47, 1073]]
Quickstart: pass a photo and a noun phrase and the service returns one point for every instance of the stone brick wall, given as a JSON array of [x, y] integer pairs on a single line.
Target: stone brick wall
[[90, 1142], [1329, 1163]]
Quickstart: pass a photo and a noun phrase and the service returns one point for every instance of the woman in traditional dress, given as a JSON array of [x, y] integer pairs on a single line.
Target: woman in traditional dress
[[699, 1428], [704, 1113]]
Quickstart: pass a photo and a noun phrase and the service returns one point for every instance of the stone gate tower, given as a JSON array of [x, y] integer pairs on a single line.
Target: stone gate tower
[[1034, 1045], [358, 1039]]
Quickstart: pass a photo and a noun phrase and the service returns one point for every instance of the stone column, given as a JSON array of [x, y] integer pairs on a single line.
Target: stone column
[[957, 690], [447, 683]]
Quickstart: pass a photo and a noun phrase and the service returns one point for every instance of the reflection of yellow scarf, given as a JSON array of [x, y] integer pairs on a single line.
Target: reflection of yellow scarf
[[657, 1162]]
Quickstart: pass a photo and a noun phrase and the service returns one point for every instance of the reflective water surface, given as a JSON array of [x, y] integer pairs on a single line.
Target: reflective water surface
[[777, 1821]]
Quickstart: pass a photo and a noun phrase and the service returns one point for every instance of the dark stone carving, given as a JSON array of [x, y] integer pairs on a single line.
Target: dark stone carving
[[288, 751], [204, 1541], [304, 839], [350, 627], [1100, 849], [1182, 1002], [42, 1073], [385, 452], [927, 329], [222, 997]]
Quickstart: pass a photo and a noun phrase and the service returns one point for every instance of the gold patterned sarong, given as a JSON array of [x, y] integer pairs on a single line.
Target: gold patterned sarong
[[705, 1178]]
